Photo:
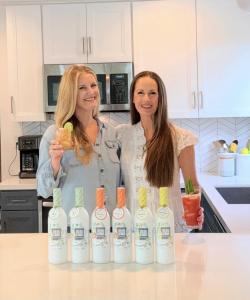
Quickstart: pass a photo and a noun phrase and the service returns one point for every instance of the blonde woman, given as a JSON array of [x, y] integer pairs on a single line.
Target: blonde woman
[[153, 150], [92, 160]]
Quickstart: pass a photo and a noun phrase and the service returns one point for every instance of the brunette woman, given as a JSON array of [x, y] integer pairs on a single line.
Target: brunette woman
[[154, 150]]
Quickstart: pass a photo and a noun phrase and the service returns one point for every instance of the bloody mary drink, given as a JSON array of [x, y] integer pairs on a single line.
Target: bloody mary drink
[[191, 205]]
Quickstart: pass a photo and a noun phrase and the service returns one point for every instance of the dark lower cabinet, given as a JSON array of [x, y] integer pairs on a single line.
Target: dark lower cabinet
[[212, 222], [18, 211]]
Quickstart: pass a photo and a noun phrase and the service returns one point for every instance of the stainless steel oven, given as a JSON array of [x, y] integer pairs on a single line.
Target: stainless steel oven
[[114, 80], [44, 206]]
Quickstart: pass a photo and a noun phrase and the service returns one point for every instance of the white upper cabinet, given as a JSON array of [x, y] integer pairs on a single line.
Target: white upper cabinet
[[109, 32], [202, 52], [64, 33], [80, 33], [25, 62], [164, 42], [223, 43]]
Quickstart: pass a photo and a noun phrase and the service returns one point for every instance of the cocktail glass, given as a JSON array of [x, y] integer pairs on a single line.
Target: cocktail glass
[[64, 137], [191, 205]]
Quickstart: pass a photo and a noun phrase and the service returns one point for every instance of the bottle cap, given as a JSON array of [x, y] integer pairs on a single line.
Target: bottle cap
[[163, 196], [57, 197], [121, 200], [100, 197], [79, 196], [142, 197]]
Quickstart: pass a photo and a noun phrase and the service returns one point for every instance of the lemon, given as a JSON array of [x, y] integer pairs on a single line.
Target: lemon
[[68, 126], [244, 151], [233, 147]]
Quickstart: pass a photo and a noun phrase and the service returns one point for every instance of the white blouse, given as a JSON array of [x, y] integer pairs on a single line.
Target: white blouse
[[132, 141]]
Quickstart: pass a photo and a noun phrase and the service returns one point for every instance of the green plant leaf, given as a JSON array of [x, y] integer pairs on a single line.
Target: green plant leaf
[[189, 187]]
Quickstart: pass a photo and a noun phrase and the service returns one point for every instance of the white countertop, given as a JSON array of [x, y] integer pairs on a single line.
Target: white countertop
[[236, 216], [15, 183], [210, 266]]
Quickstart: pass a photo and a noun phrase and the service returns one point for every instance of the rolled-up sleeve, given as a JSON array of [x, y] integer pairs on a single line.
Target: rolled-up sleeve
[[44, 176], [184, 138]]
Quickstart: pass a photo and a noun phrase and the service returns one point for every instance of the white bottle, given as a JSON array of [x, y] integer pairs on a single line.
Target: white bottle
[[57, 230], [165, 248], [100, 227], [122, 229], [144, 228], [79, 229]]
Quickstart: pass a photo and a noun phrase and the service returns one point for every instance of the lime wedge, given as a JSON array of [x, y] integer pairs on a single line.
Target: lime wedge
[[68, 126]]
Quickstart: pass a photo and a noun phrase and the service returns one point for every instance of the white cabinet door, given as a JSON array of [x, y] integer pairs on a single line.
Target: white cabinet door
[[64, 34], [109, 32], [223, 43], [164, 42], [103, 34], [25, 64]]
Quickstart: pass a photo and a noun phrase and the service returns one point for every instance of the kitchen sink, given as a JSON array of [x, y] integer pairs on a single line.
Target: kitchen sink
[[235, 195]]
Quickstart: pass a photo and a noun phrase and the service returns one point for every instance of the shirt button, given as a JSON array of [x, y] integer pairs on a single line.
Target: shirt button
[[97, 144], [102, 170], [99, 155]]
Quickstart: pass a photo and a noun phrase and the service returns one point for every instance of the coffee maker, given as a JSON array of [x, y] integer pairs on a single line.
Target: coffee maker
[[28, 146]]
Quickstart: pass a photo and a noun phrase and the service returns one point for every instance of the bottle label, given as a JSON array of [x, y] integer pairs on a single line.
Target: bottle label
[[56, 234], [143, 235], [164, 234], [118, 213], [141, 213], [163, 213], [79, 236], [78, 233], [100, 235], [101, 213], [121, 235]]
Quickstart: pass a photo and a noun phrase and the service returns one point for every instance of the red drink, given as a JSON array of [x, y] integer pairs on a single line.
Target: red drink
[[191, 205]]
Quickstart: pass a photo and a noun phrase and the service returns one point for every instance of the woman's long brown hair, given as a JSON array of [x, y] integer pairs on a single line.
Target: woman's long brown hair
[[65, 110], [159, 162]]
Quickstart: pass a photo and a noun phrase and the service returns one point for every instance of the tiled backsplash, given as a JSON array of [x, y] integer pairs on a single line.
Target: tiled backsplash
[[208, 130]]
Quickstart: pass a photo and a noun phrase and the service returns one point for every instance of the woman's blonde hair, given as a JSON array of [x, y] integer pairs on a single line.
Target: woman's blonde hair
[[159, 161], [66, 106]]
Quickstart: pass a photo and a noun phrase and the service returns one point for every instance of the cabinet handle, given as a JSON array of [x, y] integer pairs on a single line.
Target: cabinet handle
[[89, 44], [47, 204], [4, 227], [11, 104], [83, 45], [194, 100], [201, 100], [18, 201]]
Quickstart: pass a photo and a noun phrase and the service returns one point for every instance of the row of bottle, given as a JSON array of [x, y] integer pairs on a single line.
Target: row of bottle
[[148, 231]]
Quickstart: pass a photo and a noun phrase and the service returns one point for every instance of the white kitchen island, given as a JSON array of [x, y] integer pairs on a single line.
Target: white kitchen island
[[209, 266]]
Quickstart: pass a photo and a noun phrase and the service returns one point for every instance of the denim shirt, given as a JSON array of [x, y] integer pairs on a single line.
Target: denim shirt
[[102, 170]]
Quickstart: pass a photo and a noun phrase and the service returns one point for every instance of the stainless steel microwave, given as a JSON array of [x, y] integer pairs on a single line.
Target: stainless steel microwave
[[114, 81]]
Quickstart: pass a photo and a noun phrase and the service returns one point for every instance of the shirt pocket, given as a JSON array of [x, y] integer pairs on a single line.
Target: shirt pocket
[[112, 147]]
